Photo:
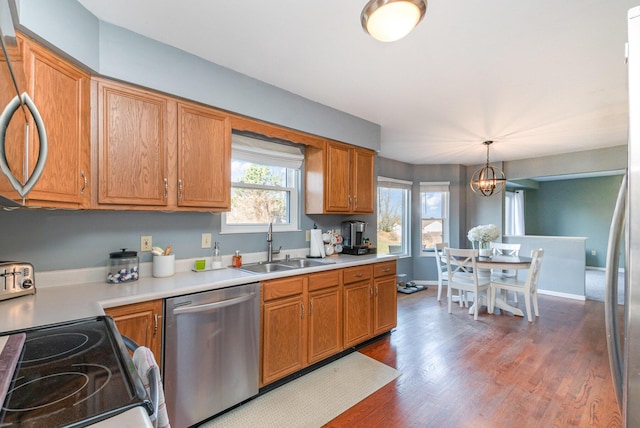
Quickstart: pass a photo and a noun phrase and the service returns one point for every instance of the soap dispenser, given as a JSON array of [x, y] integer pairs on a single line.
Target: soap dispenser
[[216, 259]]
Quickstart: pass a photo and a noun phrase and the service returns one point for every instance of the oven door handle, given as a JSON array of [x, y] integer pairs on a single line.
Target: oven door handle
[[207, 307]]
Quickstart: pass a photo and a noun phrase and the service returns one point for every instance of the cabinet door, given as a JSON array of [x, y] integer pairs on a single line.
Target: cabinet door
[[61, 93], [357, 313], [204, 157], [385, 303], [325, 316], [132, 146], [283, 338], [141, 322], [337, 192], [362, 181]]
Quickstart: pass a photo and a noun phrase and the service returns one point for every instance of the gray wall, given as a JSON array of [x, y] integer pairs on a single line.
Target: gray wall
[[580, 207]]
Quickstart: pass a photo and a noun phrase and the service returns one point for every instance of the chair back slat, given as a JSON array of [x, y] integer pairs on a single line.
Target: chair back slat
[[534, 270]]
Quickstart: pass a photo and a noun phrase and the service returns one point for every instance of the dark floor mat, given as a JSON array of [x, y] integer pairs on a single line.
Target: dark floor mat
[[411, 288]]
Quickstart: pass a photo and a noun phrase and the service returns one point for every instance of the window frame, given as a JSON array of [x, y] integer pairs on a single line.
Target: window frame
[[293, 188], [406, 187], [433, 187]]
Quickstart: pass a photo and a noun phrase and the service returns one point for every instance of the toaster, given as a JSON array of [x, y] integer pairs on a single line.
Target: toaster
[[16, 279]]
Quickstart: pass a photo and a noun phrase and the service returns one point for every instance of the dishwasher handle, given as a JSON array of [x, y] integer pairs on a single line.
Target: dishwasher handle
[[213, 306]]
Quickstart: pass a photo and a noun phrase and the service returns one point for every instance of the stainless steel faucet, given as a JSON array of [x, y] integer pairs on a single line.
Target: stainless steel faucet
[[270, 250], [270, 243]]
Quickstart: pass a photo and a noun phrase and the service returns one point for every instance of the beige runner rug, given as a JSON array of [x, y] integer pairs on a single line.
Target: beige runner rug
[[313, 399]]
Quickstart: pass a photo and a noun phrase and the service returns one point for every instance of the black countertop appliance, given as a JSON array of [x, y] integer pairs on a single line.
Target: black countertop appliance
[[353, 237]]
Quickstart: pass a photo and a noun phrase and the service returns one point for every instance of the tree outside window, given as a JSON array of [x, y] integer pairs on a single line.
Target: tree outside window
[[393, 217]]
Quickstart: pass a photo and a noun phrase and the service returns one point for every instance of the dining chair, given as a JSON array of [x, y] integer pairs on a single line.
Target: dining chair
[[502, 249], [529, 287], [443, 274], [463, 276]]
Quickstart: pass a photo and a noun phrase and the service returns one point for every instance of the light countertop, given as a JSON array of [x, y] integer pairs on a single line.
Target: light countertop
[[59, 303]]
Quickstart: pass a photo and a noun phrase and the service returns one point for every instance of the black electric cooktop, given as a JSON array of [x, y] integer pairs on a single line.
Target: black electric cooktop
[[72, 375]]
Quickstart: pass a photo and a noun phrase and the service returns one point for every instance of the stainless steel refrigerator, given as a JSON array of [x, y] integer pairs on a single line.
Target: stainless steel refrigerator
[[623, 321]]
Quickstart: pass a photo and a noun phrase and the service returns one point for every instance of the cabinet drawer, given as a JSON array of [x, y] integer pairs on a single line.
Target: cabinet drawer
[[358, 273], [384, 269], [279, 288], [318, 281]]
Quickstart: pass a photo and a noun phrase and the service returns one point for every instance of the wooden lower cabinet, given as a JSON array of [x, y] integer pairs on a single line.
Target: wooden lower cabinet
[[308, 318], [384, 305], [141, 322], [325, 315], [385, 297], [283, 328]]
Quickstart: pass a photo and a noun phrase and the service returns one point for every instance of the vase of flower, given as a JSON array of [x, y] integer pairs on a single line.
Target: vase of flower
[[483, 235]]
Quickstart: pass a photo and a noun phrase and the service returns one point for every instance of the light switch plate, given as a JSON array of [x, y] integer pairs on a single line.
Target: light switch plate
[[206, 240]]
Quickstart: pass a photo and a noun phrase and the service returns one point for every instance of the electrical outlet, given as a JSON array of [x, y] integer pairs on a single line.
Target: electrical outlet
[[593, 252], [308, 236], [146, 243], [206, 240]]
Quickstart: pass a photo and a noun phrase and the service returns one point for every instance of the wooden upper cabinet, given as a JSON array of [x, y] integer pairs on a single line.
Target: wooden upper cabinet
[[158, 153], [362, 181], [339, 179], [61, 93], [132, 146], [204, 157]]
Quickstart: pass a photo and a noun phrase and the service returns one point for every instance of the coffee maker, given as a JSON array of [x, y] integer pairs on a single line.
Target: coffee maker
[[353, 235]]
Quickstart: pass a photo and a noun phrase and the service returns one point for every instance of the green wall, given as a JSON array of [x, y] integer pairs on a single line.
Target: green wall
[[576, 207]]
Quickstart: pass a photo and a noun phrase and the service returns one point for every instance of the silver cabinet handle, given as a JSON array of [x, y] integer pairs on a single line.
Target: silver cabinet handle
[[84, 182], [355, 201], [302, 314], [155, 325], [349, 201], [359, 275], [180, 188], [166, 188], [310, 308]]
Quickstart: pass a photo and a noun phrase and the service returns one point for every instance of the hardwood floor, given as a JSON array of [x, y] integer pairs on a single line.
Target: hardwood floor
[[499, 371]]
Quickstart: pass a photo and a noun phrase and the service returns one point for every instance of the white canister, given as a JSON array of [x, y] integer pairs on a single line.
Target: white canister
[[164, 265]]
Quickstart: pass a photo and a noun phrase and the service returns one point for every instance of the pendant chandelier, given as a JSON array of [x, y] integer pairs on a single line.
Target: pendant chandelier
[[391, 20], [488, 180]]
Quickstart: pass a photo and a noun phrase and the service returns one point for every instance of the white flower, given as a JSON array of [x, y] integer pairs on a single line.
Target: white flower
[[484, 233]]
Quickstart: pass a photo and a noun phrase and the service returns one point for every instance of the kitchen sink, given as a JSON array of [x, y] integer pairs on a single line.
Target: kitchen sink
[[304, 263], [265, 267], [282, 265]]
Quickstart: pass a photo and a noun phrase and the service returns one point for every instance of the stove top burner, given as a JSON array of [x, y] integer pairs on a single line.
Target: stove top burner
[[54, 346], [74, 375]]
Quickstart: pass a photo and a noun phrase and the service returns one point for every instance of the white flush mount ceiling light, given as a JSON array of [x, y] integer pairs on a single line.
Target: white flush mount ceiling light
[[391, 20], [487, 180]]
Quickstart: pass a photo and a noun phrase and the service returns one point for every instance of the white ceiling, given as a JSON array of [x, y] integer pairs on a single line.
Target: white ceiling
[[538, 77]]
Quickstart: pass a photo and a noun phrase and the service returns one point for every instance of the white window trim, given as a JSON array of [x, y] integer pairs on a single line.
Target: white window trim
[[436, 186], [407, 185]]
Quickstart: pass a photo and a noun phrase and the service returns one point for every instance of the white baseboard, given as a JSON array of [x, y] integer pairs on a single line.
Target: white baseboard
[[564, 295]]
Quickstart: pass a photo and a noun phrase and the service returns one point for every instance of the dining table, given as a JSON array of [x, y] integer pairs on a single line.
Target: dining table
[[487, 264]]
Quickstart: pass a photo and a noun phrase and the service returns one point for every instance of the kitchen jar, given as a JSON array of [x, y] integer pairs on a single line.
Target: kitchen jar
[[122, 266]]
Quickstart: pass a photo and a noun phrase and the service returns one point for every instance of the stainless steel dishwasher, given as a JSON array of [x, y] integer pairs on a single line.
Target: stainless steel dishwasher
[[211, 352]]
